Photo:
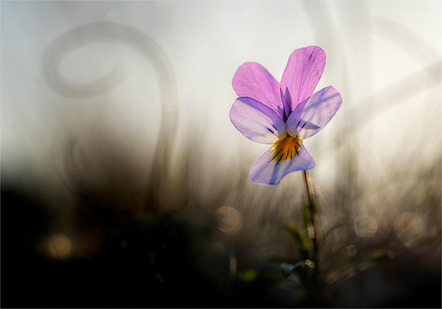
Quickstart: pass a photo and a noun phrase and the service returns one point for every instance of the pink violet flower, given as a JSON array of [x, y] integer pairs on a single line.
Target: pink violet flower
[[283, 114]]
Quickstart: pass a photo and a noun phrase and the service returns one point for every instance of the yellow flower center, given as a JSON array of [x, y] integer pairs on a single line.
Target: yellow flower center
[[286, 147]]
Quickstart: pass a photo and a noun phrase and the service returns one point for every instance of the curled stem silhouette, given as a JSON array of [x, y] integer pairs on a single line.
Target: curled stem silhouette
[[96, 32]]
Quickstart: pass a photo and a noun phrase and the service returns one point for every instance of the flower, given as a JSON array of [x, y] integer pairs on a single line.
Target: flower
[[283, 114]]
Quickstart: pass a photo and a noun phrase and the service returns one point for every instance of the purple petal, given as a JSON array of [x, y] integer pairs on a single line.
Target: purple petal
[[256, 121], [267, 171], [313, 114], [301, 75], [254, 81]]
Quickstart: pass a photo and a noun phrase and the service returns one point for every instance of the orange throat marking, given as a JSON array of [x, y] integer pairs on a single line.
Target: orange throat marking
[[286, 148]]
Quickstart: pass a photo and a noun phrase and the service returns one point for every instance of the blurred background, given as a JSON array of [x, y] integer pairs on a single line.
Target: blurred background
[[124, 183]]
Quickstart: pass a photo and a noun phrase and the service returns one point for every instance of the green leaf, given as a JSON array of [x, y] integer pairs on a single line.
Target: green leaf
[[247, 276], [376, 256], [293, 230], [301, 238]]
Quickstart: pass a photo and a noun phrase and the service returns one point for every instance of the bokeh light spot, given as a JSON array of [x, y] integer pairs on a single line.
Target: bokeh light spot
[[365, 226], [229, 220], [59, 246], [409, 228], [352, 250], [310, 264]]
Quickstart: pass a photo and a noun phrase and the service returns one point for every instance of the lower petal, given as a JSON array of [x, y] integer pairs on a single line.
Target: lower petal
[[268, 171]]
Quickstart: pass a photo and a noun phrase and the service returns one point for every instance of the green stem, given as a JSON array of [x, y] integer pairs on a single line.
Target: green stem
[[316, 289], [311, 226]]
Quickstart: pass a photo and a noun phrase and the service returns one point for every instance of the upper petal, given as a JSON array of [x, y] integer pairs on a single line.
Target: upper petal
[[267, 171], [256, 121], [254, 81], [301, 75], [313, 114]]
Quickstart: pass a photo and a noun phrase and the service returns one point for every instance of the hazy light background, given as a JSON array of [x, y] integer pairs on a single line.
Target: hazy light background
[[90, 159], [370, 46]]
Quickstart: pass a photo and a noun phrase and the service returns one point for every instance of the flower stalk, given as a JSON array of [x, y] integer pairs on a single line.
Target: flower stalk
[[311, 225], [311, 208]]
